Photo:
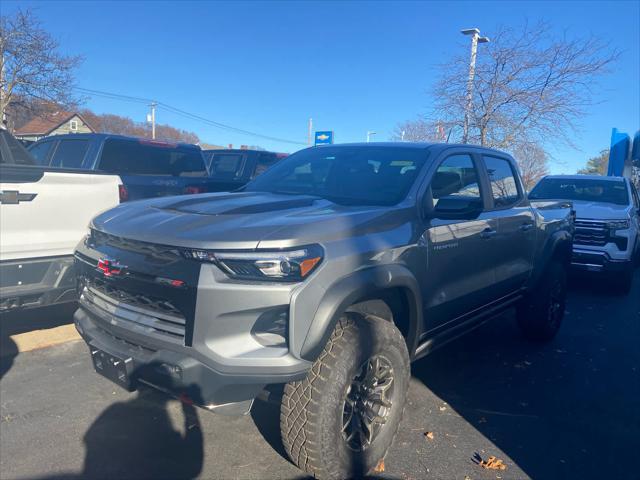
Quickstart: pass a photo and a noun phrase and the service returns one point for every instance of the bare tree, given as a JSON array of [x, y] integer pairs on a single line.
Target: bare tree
[[529, 86], [533, 163], [419, 130], [31, 66]]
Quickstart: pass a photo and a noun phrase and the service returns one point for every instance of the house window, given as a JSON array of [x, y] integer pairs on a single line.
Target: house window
[[73, 125]]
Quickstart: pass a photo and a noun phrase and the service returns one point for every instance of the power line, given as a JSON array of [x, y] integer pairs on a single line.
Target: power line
[[183, 113], [115, 96]]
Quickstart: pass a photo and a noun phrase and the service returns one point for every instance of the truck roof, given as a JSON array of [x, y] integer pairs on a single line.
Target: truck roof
[[416, 145], [586, 177], [103, 136]]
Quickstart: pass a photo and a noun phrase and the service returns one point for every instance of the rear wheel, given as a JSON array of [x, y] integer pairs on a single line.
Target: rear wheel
[[340, 420], [541, 313]]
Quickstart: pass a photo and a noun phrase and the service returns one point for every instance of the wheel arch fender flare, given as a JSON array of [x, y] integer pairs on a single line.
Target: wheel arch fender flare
[[559, 243], [355, 287]]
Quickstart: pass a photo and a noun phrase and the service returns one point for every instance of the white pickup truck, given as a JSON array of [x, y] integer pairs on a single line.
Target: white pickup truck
[[607, 227], [44, 212]]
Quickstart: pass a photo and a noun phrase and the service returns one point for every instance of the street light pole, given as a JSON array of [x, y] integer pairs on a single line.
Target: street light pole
[[153, 120], [475, 39], [369, 133]]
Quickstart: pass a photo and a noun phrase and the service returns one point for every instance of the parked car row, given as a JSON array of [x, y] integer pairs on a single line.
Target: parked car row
[[150, 168]]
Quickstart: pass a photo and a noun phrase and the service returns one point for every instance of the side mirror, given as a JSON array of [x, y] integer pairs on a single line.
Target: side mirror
[[427, 205], [457, 209]]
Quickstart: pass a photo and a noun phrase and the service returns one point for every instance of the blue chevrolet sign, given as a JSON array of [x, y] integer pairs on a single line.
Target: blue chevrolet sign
[[324, 138]]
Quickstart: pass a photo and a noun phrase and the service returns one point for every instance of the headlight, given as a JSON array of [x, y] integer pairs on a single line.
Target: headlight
[[618, 224], [284, 266]]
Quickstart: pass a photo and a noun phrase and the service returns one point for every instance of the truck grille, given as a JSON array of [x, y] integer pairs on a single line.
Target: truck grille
[[143, 301], [134, 311], [161, 252], [591, 232]]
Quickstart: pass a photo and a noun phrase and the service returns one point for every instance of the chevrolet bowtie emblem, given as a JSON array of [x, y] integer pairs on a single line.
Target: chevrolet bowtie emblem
[[13, 197]]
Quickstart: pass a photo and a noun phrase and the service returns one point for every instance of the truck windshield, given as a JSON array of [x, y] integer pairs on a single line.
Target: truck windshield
[[347, 175], [587, 190], [139, 157]]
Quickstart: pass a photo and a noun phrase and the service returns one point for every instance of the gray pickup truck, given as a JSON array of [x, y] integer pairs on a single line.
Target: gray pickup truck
[[326, 275]]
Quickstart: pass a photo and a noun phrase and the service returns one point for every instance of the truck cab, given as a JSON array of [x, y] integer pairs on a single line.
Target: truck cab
[[148, 168]]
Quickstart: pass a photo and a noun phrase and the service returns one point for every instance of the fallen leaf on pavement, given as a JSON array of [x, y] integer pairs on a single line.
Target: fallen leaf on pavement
[[492, 463], [380, 466], [429, 435]]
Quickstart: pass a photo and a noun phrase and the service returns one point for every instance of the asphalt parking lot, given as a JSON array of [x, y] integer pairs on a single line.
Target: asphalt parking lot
[[568, 409]]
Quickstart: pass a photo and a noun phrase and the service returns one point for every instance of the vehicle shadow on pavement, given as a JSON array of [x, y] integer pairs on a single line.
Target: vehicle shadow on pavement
[[21, 321], [137, 440], [8, 353], [17, 322], [549, 407]]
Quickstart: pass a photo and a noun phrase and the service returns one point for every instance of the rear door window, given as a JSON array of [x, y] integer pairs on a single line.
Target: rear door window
[[40, 152], [265, 160], [139, 157], [226, 165], [503, 181], [70, 153]]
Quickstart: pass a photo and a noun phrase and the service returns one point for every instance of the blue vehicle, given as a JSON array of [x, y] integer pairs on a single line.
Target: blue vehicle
[[231, 169], [148, 168]]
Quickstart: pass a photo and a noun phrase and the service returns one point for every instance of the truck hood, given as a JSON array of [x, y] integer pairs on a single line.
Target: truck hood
[[243, 220], [600, 211]]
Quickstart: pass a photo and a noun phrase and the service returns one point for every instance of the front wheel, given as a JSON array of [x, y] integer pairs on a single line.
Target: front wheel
[[340, 420], [542, 311]]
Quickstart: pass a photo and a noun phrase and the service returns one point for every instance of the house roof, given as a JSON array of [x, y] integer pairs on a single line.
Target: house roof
[[47, 123]]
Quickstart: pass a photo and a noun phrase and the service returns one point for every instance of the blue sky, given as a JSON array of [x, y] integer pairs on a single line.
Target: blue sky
[[352, 66]]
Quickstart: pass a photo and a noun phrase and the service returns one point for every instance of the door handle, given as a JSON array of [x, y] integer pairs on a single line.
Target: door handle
[[488, 233], [525, 227]]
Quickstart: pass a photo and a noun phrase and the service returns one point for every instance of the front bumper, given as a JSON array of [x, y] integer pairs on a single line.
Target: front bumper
[[213, 340], [176, 373], [30, 283], [597, 261]]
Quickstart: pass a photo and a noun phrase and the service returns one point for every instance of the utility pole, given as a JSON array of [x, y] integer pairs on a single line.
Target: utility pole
[[310, 131], [153, 120], [475, 39], [369, 133]]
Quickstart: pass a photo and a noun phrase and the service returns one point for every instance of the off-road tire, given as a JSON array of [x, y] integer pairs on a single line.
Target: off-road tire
[[311, 416], [541, 312]]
